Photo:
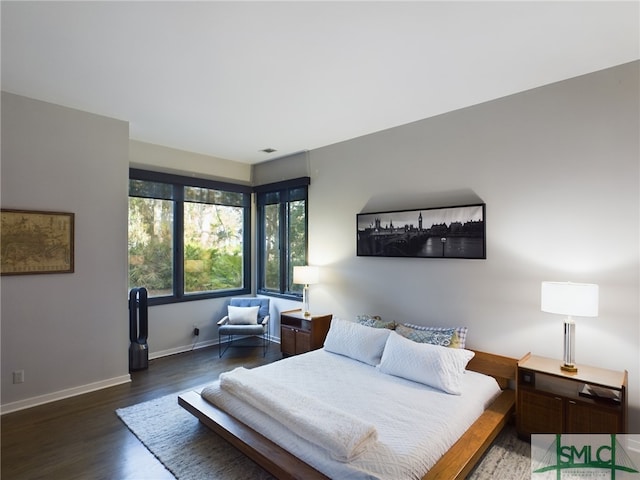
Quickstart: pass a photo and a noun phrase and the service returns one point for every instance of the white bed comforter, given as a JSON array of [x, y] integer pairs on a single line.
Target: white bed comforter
[[343, 435], [415, 424]]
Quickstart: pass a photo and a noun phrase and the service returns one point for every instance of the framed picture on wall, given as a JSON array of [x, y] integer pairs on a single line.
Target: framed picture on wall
[[444, 232], [35, 242]]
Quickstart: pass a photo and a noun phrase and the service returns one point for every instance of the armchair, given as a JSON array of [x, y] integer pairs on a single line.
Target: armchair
[[244, 322]]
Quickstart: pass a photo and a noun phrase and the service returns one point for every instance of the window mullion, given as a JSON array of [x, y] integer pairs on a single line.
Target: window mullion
[[306, 228], [291, 232], [178, 247], [189, 266], [284, 248], [246, 280]]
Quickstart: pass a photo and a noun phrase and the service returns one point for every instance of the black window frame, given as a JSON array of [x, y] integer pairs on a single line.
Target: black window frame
[[283, 189], [178, 182]]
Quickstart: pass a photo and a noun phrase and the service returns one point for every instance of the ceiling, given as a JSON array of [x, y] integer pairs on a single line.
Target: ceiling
[[229, 79]]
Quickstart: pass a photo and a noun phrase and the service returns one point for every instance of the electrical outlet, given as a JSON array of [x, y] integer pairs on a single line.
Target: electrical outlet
[[18, 376], [196, 331]]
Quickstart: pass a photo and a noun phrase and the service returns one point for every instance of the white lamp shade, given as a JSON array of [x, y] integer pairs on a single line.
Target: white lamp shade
[[566, 298], [305, 275]]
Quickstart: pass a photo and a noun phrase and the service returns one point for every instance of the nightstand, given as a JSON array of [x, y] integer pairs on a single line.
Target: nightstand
[[550, 400], [300, 334]]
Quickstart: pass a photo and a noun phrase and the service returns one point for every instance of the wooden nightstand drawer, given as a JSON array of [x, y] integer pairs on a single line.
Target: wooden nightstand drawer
[[549, 400], [300, 334], [540, 412]]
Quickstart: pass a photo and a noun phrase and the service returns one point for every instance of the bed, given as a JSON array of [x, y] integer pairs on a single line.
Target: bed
[[447, 447]]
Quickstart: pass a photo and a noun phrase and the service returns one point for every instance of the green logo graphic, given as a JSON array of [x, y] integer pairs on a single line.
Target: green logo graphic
[[590, 459]]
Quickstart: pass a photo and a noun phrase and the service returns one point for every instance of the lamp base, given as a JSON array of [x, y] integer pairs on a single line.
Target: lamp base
[[305, 301], [569, 364]]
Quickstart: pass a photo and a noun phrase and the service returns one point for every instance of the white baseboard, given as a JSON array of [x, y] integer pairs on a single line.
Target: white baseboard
[[91, 387], [187, 348], [70, 392], [184, 348]]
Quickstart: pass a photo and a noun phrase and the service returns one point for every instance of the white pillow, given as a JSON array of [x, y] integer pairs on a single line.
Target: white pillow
[[243, 315], [356, 341], [433, 365]]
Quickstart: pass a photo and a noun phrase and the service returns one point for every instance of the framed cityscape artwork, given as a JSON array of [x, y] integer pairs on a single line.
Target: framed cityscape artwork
[[444, 232]]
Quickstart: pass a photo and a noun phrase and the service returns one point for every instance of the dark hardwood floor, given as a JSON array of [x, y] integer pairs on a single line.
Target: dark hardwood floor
[[82, 438]]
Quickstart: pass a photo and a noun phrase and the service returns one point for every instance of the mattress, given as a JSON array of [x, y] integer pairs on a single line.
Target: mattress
[[415, 424]]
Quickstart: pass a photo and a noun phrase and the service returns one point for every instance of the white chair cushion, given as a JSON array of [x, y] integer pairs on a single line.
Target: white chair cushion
[[243, 315]]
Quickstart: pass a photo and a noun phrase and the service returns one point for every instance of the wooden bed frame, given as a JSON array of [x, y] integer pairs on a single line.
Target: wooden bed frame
[[457, 463]]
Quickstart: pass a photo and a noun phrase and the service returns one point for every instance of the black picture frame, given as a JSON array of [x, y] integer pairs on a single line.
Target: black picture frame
[[443, 232]]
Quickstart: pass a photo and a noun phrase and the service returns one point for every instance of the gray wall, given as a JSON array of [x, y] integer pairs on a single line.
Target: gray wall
[[171, 326], [68, 332], [558, 169]]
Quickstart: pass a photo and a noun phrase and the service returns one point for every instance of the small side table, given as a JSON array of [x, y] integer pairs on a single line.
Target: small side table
[[300, 334], [550, 400]]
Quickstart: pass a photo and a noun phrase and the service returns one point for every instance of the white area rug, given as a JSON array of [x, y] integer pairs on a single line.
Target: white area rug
[[190, 451]]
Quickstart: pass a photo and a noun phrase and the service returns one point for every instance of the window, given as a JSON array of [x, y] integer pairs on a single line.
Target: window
[[188, 238], [282, 235]]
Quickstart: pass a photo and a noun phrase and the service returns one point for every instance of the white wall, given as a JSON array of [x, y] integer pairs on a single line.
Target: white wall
[[148, 156], [69, 333], [558, 169], [66, 331], [171, 326]]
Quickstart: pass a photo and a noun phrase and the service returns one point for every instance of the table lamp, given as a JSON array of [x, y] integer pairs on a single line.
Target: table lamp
[[305, 275], [571, 299]]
